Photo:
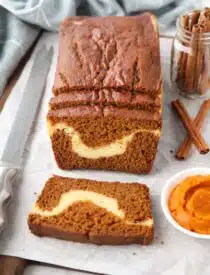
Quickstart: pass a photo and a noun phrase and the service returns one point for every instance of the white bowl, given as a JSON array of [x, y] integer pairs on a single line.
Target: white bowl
[[170, 184]]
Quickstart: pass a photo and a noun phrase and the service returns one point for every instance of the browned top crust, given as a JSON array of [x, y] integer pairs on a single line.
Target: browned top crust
[[109, 52]]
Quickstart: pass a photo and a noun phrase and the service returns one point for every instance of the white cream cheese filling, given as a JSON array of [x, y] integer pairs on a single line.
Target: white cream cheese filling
[[68, 198], [118, 147]]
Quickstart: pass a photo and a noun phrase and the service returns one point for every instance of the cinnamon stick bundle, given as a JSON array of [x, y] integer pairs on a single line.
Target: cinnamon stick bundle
[[190, 126], [184, 149], [194, 66]]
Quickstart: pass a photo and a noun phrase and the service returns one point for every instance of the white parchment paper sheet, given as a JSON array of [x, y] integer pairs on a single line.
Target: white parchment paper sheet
[[171, 253]]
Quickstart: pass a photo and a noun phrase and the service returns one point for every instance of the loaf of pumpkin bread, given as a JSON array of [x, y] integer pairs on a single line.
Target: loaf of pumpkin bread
[[106, 109]]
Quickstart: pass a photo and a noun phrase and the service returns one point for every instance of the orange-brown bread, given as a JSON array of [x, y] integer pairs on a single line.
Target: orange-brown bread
[[106, 97], [83, 210], [106, 112]]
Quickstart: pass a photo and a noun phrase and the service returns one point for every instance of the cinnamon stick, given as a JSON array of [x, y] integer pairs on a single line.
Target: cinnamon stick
[[205, 77], [190, 126], [203, 66], [185, 147], [191, 60], [182, 58], [194, 19], [199, 59], [204, 82]]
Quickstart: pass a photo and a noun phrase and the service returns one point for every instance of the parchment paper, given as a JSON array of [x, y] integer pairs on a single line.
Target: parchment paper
[[171, 253]]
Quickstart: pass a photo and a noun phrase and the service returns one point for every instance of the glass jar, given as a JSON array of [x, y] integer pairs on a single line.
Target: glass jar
[[190, 58]]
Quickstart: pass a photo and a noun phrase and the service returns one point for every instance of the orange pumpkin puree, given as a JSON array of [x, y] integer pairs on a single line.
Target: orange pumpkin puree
[[189, 203]]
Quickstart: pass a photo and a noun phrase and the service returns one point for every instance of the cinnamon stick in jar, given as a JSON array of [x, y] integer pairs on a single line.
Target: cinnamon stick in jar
[[191, 61], [191, 58], [194, 19], [199, 59], [192, 66], [194, 29], [182, 58], [203, 60]]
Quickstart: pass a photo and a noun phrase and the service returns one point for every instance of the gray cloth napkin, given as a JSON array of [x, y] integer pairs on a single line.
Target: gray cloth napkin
[[21, 21]]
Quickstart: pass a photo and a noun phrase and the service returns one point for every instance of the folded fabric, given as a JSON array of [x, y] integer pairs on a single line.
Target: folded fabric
[[21, 21], [15, 39]]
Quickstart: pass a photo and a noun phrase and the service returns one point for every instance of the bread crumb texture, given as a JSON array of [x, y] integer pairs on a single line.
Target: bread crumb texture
[[84, 221]]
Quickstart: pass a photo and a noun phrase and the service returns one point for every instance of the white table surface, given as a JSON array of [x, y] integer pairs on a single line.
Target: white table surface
[[48, 270], [179, 266]]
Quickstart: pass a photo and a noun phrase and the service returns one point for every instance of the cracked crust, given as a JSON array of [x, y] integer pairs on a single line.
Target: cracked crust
[[109, 52]]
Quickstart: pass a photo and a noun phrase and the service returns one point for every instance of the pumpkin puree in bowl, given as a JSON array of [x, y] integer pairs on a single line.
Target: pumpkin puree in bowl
[[189, 203]]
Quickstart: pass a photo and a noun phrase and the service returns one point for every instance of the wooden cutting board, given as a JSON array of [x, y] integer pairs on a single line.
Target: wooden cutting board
[[12, 265]]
